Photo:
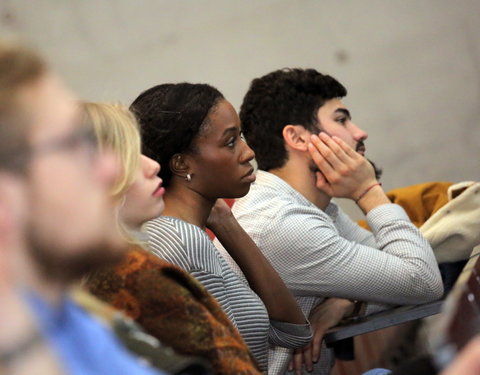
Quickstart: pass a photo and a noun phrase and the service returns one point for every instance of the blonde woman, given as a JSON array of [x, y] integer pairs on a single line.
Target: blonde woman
[[165, 300]]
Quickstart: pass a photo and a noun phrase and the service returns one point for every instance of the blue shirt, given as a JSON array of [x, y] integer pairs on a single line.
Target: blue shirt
[[84, 345]]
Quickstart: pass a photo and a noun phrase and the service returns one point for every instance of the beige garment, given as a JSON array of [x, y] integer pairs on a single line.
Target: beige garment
[[454, 230]]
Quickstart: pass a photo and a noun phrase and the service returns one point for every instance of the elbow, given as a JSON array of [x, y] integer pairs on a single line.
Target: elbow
[[288, 335], [431, 295], [438, 292], [427, 290]]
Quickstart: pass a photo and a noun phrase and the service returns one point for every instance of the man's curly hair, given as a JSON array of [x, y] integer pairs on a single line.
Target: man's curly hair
[[280, 98]]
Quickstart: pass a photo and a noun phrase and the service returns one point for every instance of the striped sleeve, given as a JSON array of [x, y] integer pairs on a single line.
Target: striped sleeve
[[289, 335]]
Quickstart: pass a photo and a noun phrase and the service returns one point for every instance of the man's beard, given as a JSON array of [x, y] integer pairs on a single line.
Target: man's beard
[[67, 265], [378, 171]]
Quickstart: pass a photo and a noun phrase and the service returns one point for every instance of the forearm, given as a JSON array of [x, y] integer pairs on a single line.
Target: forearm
[[396, 235], [261, 276], [342, 308], [371, 198], [399, 269], [349, 229]]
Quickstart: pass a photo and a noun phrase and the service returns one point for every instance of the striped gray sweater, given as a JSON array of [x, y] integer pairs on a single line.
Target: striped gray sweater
[[190, 248]]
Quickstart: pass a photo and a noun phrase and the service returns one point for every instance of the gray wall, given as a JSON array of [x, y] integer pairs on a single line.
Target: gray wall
[[412, 67]]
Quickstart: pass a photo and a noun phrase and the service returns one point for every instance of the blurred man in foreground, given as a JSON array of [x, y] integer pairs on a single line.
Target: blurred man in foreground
[[54, 211]]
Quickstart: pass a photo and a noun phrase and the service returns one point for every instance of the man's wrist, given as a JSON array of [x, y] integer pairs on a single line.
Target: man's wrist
[[374, 197], [366, 191], [347, 306]]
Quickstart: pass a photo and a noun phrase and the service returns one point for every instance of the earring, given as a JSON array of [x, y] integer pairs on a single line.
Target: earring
[[188, 177]]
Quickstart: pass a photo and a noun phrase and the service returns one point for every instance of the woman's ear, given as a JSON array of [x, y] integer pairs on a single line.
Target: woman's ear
[[179, 165], [296, 137]]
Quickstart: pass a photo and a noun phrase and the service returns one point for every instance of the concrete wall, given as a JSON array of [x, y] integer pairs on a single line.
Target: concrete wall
[[412, 67]]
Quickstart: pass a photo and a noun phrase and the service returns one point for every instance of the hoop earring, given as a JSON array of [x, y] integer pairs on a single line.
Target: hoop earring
[[188, 177]]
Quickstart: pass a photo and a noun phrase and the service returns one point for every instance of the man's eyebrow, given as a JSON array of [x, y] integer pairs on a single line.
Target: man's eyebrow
[[344, 111]]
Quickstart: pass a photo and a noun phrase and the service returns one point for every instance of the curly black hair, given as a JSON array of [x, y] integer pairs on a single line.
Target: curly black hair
[[280, 98], [171, 116]]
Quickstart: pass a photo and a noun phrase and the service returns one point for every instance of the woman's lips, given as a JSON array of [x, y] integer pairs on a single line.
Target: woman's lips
[[159, 191], [250, 176]]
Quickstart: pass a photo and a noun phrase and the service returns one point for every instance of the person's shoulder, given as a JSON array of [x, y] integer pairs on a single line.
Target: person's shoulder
[[262, 202], [172, 227], [151, 262], [162, 225], [271, 196], [166, 234], [181, 243], [275, 207]]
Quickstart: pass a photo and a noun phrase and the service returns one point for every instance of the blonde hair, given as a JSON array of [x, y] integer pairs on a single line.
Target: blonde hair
[[117, 129], [19, 68]]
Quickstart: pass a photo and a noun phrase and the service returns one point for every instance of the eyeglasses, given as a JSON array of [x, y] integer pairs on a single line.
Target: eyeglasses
[[82, 139]]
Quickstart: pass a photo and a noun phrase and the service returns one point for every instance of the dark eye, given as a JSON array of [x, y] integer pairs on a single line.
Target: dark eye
[[342, 120], [231, 142]]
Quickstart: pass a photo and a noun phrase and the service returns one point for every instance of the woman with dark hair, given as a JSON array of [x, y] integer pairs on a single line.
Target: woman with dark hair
[[165, 300], [195, 133]]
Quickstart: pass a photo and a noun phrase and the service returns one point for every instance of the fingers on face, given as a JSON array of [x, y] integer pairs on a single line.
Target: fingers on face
[[350, 152], [333, 150], [326, 147], [333, 145], [320, 179], [318, 158]]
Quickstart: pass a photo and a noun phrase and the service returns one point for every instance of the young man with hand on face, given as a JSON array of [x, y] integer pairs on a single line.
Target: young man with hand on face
[[309, 151], [56, 203]]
